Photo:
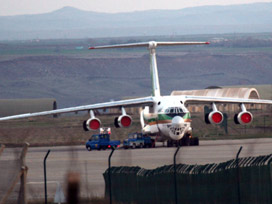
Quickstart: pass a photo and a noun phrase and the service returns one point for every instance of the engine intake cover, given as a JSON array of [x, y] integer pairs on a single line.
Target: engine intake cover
[[215, 117], [91, 124], [123, 121], [243, 118]]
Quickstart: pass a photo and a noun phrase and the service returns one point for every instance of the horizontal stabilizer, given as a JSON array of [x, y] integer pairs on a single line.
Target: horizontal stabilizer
[[151, 44]]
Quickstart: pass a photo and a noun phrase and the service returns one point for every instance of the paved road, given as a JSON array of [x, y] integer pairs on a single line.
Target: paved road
[[91, 165]]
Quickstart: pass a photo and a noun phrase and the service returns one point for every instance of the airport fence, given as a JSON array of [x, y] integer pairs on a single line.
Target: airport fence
[[244, 180]]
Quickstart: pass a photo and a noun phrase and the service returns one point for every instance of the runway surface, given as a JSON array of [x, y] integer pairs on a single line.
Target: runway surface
[[91, 165]]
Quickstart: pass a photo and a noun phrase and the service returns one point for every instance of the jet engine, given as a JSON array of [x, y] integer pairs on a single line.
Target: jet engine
[[123, 120], [244, 117], [91, 124], [214, 117]]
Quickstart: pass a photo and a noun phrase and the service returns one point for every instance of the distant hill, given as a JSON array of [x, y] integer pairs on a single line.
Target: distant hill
[[69, 22], [77, 81]]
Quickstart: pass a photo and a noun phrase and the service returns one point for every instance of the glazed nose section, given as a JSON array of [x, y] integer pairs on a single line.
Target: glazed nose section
[[177, 121], [177, 128]]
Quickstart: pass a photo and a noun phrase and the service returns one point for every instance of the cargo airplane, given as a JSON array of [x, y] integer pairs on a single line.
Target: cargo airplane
[[164, 116]]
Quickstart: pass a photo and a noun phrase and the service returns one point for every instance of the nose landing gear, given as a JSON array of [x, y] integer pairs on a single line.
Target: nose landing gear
[[187, 140]]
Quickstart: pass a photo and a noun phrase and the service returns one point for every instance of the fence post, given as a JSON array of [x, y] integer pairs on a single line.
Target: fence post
[[109, 172], [21, 175], [10, 189], [264, 123], [2, 147], [22, 193], [238, 174], [175, 175], [45, 180], [73, 188]]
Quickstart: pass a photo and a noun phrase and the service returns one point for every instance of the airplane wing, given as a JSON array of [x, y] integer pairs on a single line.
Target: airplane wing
[[244, 117], [206, 99], [146, 101]]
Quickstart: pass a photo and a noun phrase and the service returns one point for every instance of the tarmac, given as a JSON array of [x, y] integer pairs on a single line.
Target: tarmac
[[91, 165]]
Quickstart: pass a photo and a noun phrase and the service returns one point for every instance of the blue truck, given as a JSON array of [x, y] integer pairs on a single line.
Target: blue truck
[[101, 141], [138, 140]]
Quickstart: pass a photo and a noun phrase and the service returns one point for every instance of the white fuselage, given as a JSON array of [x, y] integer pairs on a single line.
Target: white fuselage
[[167, 119]]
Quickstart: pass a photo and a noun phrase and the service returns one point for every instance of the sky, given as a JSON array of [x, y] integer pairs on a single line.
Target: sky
[[17, 7]]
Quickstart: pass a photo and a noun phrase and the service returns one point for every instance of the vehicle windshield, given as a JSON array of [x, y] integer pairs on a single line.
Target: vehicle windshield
[[132, 136], [99, 137], [94, 138]]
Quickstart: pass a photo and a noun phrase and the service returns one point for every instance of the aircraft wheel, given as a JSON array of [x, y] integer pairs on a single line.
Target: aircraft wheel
[[185, 141], [169, 143], [153, 144], [195, 141]]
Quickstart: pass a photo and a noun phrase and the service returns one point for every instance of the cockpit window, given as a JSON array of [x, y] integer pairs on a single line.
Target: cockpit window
[[180, 110], [174, 110]]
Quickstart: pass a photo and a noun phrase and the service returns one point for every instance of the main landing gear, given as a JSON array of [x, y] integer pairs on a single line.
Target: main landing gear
[[187, 140]]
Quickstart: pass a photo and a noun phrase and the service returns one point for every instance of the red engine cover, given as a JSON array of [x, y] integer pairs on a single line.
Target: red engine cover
[[124, 121], [93, 123], [216, 117], [244, 118]]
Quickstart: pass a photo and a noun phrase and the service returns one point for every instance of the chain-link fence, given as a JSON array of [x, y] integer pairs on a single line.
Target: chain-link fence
[[205, 174], [249, 182]]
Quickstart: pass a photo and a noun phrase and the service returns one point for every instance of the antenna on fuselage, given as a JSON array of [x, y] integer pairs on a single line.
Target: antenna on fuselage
[[152, 45]]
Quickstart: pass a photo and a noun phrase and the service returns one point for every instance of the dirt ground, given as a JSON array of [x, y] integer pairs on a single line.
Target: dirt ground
[[67, 130]]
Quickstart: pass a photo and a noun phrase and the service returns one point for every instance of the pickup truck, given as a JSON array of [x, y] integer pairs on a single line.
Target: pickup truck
[[101, 141], [138, 140]]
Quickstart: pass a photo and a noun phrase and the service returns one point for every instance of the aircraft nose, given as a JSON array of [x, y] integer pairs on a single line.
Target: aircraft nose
[[177, 121], [177, 129]]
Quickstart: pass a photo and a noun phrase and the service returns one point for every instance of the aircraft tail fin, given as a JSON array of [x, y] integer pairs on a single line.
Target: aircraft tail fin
[[152, 45]]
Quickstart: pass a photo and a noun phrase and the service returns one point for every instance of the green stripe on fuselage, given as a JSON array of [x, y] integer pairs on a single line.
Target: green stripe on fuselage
[[162, 117], [187, 116]]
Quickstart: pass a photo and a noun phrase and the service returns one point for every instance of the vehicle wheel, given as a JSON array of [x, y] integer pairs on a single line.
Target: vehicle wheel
[[89, 148], [99, 148], [104, 147], [134, 146], [141, 145]]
